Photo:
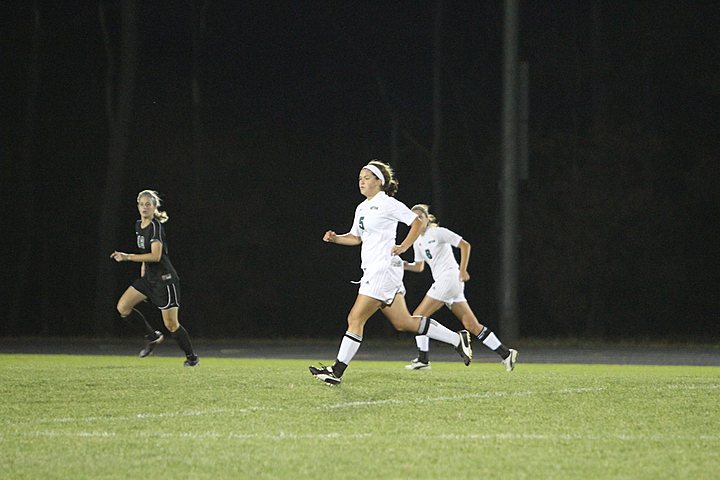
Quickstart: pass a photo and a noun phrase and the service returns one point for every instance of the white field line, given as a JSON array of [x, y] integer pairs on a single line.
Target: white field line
[[680, 386], [153, 416], [579, 437], [281, 436], [330, 406], [454, 398]]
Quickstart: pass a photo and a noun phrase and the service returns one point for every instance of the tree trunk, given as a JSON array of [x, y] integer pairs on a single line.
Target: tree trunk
[[25, 177], [509, 208], [435, 171], [199, 14], [599, 74], [119, 100], [198, 9]]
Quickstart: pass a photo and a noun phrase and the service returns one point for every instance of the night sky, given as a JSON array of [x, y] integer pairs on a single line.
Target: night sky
[[619, 214]]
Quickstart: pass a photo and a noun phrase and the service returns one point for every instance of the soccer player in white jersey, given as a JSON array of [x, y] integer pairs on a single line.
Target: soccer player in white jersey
[[381, 286], [434, 247]]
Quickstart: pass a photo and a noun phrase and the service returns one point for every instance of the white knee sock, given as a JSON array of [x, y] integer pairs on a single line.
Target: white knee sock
[[349, 347], [423, 342], [442, 333]]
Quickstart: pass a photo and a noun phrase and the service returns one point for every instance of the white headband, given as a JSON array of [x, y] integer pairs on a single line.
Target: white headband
[[376, 171]]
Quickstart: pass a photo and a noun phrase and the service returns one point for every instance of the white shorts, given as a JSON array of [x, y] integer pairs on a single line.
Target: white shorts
[[384, 281], [448, 289]]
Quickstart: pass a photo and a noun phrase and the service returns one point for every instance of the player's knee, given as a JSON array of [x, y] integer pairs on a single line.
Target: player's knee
[[123, 309], [354, 322], [409, 324], [400, 328], [172, 325]]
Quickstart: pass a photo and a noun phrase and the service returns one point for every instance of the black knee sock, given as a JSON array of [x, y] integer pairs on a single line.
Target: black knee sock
[[339, 368], [183, 340], [503, 351], [138, 320], [423, 356]]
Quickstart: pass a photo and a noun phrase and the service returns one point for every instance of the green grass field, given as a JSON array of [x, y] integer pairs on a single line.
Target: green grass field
[[75, 417]]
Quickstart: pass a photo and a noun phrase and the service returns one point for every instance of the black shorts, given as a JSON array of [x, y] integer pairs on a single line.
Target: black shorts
[[163, 295]]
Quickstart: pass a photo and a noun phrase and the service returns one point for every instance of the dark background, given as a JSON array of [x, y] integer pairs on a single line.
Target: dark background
[[618, 216]]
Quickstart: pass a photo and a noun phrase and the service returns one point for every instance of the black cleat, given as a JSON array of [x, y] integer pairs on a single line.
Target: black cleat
[[150, 344], [464, 349], [193, 361], [325, 374]]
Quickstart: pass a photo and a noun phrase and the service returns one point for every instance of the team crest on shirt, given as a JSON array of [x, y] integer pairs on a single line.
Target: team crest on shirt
[[140, 241]]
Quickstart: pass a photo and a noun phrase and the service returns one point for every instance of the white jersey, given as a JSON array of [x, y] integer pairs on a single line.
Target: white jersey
[[375, 223], [435, 248]]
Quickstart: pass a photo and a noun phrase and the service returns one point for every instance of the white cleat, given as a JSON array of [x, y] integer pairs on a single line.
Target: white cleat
[[418, 365], [509, 362]]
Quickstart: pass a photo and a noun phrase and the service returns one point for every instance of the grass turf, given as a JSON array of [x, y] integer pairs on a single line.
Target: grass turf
[[122, 417]]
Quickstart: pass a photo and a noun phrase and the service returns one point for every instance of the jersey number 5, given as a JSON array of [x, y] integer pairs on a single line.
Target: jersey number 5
[[361, 224]]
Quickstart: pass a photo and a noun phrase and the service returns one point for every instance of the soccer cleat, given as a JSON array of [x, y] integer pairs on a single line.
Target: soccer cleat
[[463, 348], [325, 374], [416, 364], [150, 344], [509, 362], [193, 361]]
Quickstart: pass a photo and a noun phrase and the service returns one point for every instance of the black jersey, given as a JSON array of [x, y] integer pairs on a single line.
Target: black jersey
[[162, 271]]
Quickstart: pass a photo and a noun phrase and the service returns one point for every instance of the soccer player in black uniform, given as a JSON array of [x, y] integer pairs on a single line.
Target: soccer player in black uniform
[[158, 280]]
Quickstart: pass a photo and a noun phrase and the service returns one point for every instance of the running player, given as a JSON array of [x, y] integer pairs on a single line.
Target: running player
[[434, 246], [381, 286], [158, 279]]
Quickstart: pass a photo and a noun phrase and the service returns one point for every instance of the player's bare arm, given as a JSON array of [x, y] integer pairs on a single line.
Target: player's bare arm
[[345, 239], [464, 247], [415, 229], [153, 257], [415, 267]]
